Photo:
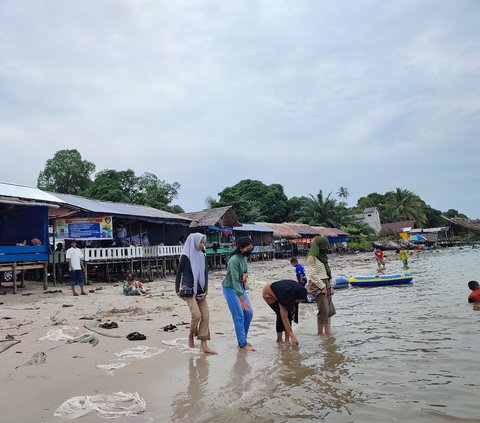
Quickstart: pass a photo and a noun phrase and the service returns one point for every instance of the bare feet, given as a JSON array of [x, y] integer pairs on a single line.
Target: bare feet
[[205, 349], [248, 347], [76, 294], [191, 342], [280, 343]]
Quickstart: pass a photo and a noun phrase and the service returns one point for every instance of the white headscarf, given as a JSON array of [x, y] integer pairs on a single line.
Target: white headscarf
[[197, 259]]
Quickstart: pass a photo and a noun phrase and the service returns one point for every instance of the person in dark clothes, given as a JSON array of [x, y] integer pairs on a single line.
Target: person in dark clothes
[[193, 273], [283, 297]]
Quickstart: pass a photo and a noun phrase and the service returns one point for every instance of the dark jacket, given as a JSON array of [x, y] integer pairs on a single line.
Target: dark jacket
[[184, 275]]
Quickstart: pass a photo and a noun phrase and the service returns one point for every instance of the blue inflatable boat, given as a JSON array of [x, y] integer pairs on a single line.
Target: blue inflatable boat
[[381, 280], [340, 282]]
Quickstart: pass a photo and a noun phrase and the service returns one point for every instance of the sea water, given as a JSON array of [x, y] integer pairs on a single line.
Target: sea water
[[396, 354]]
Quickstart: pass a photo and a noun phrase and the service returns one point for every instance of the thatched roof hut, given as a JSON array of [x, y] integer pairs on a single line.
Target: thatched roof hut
[[221, 217], [472, 225], [281, 230]]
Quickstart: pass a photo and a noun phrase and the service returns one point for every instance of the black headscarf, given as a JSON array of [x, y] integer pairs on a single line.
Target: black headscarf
[[287, 291]]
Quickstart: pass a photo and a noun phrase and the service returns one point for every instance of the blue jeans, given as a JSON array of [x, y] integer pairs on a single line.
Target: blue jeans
[[241, 318]]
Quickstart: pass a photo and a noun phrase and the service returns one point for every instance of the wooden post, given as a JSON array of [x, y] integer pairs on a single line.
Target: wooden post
[[85, 271], [15, 277], [54, 265], [107, 272], [22, 282], [45, 276]]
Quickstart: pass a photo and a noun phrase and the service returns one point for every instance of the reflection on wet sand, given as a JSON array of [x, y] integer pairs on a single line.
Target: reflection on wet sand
[[189, 405]]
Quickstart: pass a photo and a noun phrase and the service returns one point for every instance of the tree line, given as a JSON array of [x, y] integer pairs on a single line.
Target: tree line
[[66, 172]]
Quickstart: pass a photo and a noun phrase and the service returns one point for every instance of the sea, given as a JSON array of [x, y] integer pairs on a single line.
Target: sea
[[396, 354]]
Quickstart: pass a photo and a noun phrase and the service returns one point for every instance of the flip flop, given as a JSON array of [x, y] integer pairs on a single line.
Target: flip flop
[[169, 328], [109, 325], [136, 336]]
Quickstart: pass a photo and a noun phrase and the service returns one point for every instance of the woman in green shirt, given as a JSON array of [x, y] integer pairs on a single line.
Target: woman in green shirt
[[235, 294]]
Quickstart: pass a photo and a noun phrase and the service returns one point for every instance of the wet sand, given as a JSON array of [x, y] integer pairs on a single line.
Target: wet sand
[[323, 379]]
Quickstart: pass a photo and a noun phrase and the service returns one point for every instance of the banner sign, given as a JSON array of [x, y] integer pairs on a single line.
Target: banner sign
[[84, 228]]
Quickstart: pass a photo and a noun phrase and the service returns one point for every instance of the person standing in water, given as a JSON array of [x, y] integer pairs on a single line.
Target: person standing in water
[[236, 294], [319, 278], [193, 273], [283, 297], [404, 257]]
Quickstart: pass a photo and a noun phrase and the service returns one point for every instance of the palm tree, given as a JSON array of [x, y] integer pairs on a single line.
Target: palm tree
[[323, 211], [343, 194], [409, 205]]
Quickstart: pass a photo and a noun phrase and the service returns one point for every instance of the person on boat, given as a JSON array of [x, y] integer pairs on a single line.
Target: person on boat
[[235, 292], [283, 298], [380, 258], [319, 283], [474, 296], [404, 257], [193, 273]]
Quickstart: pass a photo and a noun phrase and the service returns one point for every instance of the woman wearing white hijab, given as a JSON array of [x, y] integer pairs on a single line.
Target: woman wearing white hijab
[[192, 274]]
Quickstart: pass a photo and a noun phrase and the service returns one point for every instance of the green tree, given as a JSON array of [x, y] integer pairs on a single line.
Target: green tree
[[66, 173], [295, 207], [154, 192], [324, 211], [343, 194], [114, 185], [125, 187], [254, 201], [409, 205]]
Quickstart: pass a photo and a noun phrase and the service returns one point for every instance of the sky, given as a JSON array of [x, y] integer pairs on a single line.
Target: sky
[[369, 95]]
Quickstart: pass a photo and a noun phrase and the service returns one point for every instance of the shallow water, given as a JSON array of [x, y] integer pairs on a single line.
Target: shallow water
[[401, 354]]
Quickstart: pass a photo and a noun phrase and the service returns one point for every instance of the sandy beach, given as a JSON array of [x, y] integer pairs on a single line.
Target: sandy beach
[[71, 369], [173, 383]]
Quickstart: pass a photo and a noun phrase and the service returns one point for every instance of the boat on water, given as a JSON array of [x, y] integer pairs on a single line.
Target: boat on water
[[340, 282], [381, 280]]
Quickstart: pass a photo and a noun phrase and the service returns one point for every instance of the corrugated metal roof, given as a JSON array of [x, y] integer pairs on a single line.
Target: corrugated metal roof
[[27, 193], [251, 227], [398, 226], [110, 208]]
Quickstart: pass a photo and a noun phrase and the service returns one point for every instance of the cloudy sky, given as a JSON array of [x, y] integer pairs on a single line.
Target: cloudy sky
[[366, 94]]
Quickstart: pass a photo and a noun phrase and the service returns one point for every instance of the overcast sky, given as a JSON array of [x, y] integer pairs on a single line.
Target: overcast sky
[[366, 94]]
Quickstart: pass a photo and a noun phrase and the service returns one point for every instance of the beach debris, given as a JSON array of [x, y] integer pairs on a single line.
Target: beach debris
[[37, 358], [140, 352], [7, 318], [87, 318], [109, 368], [26, 294], [91, 291], [182, 345], [108, 325], [86, 338], [136, 336], [8, 336], [53, 291], [7, 343], [64, 333], [170, 328], [63, 322], [116, 405], [67, 305]]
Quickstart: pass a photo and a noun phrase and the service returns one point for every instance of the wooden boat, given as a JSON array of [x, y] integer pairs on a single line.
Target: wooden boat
[[381, 280]]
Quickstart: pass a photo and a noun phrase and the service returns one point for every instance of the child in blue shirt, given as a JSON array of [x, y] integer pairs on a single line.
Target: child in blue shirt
[[299, 272]]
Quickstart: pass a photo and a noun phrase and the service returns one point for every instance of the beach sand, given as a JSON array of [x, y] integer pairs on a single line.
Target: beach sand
[[32, 393]]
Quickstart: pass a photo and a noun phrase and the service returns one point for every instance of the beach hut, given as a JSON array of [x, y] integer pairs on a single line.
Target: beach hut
[[217, 224], [79, 216], [261, 236], [24, 241]]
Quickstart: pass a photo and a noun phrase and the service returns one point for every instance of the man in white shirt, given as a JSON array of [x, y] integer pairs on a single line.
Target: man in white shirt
[[75, 266]]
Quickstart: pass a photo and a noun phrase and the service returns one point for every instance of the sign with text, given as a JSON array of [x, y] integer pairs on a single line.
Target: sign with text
[[84, 228]]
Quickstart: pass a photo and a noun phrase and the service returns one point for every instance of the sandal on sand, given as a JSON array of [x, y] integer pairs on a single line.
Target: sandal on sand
[[136, 336], [108, 325], [169, 328]]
